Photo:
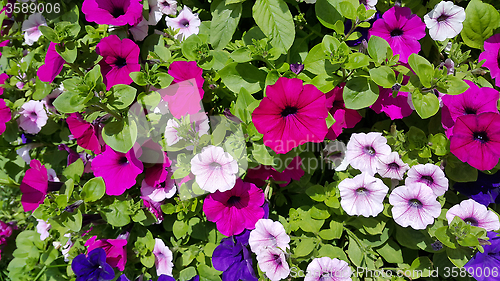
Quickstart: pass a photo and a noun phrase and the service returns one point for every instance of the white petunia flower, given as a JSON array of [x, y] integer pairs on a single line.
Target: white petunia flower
[[445, 20]]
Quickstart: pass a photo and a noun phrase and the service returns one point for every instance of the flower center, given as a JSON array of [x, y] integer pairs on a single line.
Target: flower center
[[481, 136], [289, 110], [33, 114], [415, 203], [361, 191], [442, 18], [184, 22], [396, 32], [469, 110], [214, 166], [369, 150], [277, 259], [117, 11], [471, 221], [120, 62], [123, 160], [428, 180], [393, 166], [233, 200]]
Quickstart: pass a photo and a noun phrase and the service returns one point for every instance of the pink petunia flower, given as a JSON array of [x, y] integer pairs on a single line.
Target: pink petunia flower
[[113, 12], [118, 170], [87, 134], [392, 166], [272, 262], [491, 55], [3, 44], [120, 58], [30, 26], [33, 117], [163, 258], [43, 228], [35, 186], [344, 118], [116, 250], [414, 205], [291, 114], [235, 210], [3, 78], [259, 174], [394, 107], [153, 207], [364, 150], [474, 100], [157, 184], [5, 116], [362, 195], [168, 7], [325, 268], [445, 20], [476, 140], [186, 22], [52, 66], [475, 214], [401, 29], [215, 169], [268, 234], [430, 175]]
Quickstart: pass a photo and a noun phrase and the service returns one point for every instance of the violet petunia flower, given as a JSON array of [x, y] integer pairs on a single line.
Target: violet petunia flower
[[445, 20], [268, 234], [87, 134], [33, 117], [163, 258], [235, 210], [35, 185], [394, 107], [296, 68], [492, 56], [115, 249], [344, 118], [186, 22], [476, 140], [485, 190], [392, 166], [53, 65], [118, 170], [259, 174], [164, 277], [487, 260], [290, 115], [92, 267], [474, 214], [430, 175], [168, 7], [414, 205], [140, 30], [401, 29], [30, 26], [113, 12], [364, 150], [234, 259], [120, 58], [272, 262], [362, 195], [326, 268]]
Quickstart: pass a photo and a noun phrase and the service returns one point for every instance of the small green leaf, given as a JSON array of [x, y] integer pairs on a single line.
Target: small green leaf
[[225, 19], [348, 10], [305, 247], [327, 14], [180, 228], [139, 78], [243, 75], [481, 21], [261, 154], [93, 190], [123, 96], [68, 51], [120, 136], [426, 105], [377, 48], [359, 93], [422, 68], [384, 76], [42, 89], [49, 33], [70, 102], [459, 171], [357, 60], [74, 170], [118, 213]]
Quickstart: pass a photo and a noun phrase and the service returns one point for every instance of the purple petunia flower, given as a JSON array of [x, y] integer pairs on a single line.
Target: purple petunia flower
[[489, 259], [163, 258], [364, 150], [401, 29], [120, 58], [362, 195], [492, 57], [485, 190], [186, 22], [234, 259], [272, 262], [93, 267], [168, 7], [33, 117], [52, 66], [113, 12], [392, 166], [296, 68], [474, 214], [430, 175], [325, 268], [115, 249], [268, 234], [445, 20], [88, 135]]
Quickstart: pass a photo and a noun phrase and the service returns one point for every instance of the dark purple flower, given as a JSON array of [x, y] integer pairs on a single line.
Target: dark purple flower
[[113, 12], [362, 30], [123, 278], [164, 277], [196, 278], [93, 267], [487, 260], [485, 190], [233, 257], [296, 68]]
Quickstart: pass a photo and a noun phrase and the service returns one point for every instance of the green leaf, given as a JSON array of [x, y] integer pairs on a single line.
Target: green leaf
[[164, 79], [357, 60], [261, 154], [74, 171], [377, 48], [455, 85], [123, 96], [316, 61], [384, 76], [305, 247], [242, 106], [70, 102], [162, 52], [319, 211], [42, 89], [459, 171], [444, 236], [68, 51], [422, 68], [237, 76], [73, 220], [93, 190], [439, 144], [391, 252], [119, 135], [426, 105], [276, 21], [118, 213], [327, 14], [139, 78], [317, 193], [49, 33], [459, 256], [359, 93], [348, 10], [225, 19], [180, 228], [242, 55], [332, 252], [481, 21]]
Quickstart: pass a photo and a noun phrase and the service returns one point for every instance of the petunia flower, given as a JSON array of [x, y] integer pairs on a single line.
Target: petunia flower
[[33, 117], [215, 169], [140, 30], [369, 4], [5, 116], [296, 68], [43, 228], [364, 150], [474, 214], [233, 258], [268, 234], [163, 258], [259, 174], [414, 205], [489, 259], [235, 210], [93, 267], [34, 186], [430, 175], [476, 140], [200, 120], [362, 195], [392, 166], [87, 134], [112, 12], [115, 249], [3, 78], [52, 66], [186, 22], [394, 107], [326, 268], [153, 207], [120, 58], [485, 190], [401, 29], [344, 118], [491, 55], [168, 7], [48, 101], [118, 170], [445, 20], [290, 115], [474, 100], [3, 44], [272, 262], [155, 13], [30, 26]]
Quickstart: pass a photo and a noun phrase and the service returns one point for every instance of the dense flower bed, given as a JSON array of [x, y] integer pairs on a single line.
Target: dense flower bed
[[249, 140]]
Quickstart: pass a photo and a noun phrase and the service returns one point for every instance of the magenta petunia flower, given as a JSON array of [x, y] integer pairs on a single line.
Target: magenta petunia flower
[[291, 114], [268, 234], [86, 134], [401, 29], [445, 20], [235, 210], [259, 174], [215, 169], [475, 214], [5, 116], [118, 170], [272, 262], [186, 22], [116, 250], [113, 12], [476, 140], [33, 117], [492, 57], [3, 78], [325, 268], [364, 150], [153, 207], [120, 58], [474, 100], [163, 258], [392, 166], [394, 108], [52, 66], [414, 205], [362, 195], [430, 175], [344, 118]]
